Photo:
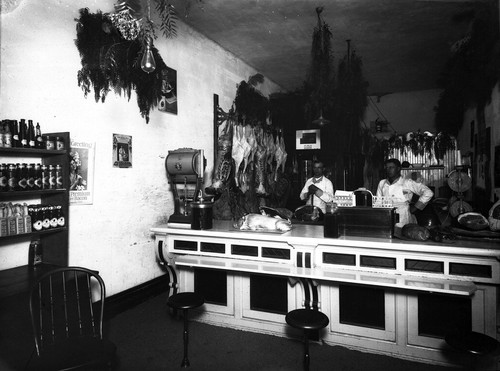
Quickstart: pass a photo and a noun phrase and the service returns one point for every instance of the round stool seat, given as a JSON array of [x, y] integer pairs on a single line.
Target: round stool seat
[[307, 319], [185, 300], [472, 342]]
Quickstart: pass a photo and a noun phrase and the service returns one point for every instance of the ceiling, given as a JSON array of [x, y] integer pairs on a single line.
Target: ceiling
[[403, 44]]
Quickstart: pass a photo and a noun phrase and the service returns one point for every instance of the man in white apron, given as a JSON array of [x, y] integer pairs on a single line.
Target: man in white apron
[[401, 191], [318, 190]]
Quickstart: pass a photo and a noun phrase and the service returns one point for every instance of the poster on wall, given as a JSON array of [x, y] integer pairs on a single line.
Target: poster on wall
[[81, 174], [122, 150], [168, 102]]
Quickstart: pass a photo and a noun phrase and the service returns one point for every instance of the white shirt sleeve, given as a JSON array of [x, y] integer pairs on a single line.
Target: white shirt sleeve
[[421, 190], [305, 190], [327, 195]]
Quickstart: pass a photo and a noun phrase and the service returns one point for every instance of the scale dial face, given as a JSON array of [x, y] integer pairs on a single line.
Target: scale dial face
[[459, 207], [459, 181]]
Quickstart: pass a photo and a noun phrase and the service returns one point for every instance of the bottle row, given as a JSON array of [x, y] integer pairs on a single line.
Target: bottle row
[[14, 134], [29, 177], [22, 218]]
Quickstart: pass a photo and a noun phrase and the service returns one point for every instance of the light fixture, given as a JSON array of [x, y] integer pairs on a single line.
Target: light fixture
[[321, 121], [148, 63]]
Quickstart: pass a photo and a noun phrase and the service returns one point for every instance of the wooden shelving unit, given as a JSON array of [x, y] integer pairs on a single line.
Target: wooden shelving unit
[[54, 241]]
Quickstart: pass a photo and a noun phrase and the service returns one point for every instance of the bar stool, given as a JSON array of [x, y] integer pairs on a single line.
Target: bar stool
[[185, 301], [473, 343], [307, 320]]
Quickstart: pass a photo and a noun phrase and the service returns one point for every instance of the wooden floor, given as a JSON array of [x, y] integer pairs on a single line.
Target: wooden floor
[[149, 338]]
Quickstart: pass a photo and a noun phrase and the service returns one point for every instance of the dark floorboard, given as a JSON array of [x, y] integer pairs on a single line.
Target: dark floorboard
[[149, 338]]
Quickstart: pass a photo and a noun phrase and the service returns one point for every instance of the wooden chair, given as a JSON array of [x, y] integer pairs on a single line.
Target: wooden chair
[[185, 301], [66, 308], [307, 320]]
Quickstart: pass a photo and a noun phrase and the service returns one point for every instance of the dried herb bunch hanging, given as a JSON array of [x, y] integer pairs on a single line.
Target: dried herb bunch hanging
[[251, 106], [320, 83], [419, 144], [471, 72], [350, 100], [112, 62]]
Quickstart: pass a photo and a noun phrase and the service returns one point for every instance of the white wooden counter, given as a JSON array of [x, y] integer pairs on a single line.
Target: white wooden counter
[[401, 270]]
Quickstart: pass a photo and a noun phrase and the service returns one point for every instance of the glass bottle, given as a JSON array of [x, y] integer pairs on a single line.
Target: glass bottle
[[7, 135], [12, 177], [4, 184], [59, 177], [31, 176], [45, 217], [22, 179], [15, 134], [61, 221], [38, 176], [52, 177], [23, 134], [45, 177], [31, 134], [36, 217], [52, 216], [2, 135], [38, 137]]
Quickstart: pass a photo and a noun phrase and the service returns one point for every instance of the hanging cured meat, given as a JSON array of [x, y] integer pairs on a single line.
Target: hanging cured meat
[[240, 151], [223, 163], [260, 162], [250, 138]]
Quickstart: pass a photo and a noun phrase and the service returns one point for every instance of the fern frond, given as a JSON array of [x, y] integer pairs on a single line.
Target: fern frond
[[168, 17]]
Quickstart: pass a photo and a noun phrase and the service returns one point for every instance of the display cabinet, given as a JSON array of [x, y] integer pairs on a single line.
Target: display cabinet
[[54, 241]]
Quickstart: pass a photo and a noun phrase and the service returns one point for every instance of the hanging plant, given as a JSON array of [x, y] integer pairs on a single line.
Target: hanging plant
[[319, 85], [251, 106], [471, 72], [112, 62], [350, 100], [443, 142]]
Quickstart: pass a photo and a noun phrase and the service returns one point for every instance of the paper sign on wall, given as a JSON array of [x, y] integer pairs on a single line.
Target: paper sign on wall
[[81, 175]]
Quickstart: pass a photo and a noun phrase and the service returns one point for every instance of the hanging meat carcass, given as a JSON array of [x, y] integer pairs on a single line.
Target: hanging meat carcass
[[285, 154], [222, 168], [260, 163], [240, 151]]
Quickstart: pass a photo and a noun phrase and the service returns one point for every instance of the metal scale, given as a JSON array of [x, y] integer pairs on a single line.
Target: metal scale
[[185, 168], [459, 182]]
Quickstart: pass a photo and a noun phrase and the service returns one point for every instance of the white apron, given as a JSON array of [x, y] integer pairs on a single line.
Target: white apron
[[401, 200]]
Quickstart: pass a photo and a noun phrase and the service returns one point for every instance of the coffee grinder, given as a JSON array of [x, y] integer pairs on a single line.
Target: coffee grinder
[[185, 168]]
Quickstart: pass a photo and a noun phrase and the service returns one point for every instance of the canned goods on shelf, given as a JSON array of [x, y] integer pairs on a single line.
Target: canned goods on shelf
[[49, 142], [59, 143]]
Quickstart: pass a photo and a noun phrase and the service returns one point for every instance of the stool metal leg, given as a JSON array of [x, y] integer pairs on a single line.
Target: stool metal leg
[[306, 351], [185, 361]]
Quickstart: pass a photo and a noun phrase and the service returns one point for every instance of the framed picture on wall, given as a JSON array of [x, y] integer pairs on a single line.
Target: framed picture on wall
[[168, 102], [308, 139], [122, 150]]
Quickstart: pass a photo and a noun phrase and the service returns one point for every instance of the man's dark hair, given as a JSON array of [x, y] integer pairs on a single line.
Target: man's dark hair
[[394, 161]]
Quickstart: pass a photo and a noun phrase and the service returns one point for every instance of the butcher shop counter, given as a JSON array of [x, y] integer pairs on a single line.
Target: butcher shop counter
[[386, 296]]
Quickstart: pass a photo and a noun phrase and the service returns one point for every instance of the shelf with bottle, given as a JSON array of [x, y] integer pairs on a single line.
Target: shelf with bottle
[[33, 233], [26, 177], [54, 240], [23, 219], [32, 193], [16, 137], [8, 151]]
